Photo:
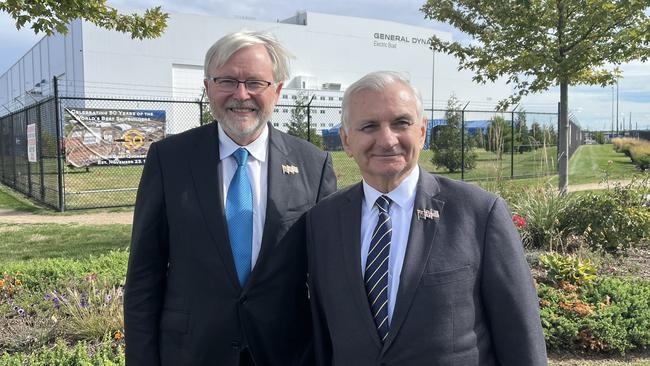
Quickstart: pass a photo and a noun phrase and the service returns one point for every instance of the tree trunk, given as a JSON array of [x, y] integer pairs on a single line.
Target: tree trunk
[[563, 138]]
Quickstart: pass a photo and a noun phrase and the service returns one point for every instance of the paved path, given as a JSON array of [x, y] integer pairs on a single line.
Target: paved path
[[18, 217], [592, 186]]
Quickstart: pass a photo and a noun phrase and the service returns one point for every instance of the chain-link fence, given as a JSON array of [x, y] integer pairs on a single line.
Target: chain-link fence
[[29, 153], [74, 152]]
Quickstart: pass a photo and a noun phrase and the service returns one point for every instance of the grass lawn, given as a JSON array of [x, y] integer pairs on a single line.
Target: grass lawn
[[34, 241], [590, 162], [538, 162], [15, 201]]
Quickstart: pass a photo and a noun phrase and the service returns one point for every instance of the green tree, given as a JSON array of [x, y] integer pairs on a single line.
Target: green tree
[[537, 44], [51, 16], [446, 141], [522, 142], [535, 134], [298, 122], [599, 137]]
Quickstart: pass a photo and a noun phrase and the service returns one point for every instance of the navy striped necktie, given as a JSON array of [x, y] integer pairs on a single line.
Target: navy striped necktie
[[376, 276]]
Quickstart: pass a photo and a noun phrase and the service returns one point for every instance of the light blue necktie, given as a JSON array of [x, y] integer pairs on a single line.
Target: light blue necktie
[[376, 276], [239, 213]]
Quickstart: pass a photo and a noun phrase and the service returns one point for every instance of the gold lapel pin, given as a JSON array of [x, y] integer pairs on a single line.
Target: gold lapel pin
[[289, 169]]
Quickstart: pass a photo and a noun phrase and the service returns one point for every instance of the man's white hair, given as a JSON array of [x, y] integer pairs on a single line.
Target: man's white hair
[[226, 46], [377, 81]]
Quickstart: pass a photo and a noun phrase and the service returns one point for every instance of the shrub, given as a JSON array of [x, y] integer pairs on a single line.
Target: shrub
[[611, 315], [568, 268], [44, 274], [543, 210], [640, 155], [613, 220], [106, 353]]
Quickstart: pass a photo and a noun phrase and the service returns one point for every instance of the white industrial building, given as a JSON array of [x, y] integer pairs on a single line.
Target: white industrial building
[[330, 52]]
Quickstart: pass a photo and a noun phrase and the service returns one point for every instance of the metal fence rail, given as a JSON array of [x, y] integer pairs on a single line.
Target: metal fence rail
[[44, 155]]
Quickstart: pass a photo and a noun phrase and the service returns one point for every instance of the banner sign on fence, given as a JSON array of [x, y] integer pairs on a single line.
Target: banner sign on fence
[[31, 143], [111, 136]]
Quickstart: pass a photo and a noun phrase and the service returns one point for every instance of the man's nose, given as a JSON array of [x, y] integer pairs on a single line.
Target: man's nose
[[241, 93], [387, 138]]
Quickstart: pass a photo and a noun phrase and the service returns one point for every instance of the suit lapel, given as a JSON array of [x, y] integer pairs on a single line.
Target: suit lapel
[[205, 167], [421, 237], [350, 223]]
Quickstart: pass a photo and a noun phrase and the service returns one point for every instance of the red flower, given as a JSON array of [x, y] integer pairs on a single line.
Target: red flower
[[519, 221]]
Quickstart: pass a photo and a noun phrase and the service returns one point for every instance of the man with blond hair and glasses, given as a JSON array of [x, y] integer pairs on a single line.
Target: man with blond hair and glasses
[[217, 269]]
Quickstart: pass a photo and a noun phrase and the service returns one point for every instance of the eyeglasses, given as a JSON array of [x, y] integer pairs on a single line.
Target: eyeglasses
[[231, 85]]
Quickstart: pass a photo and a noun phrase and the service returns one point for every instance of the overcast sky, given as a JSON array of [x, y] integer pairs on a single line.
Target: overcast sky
[[591, 105]]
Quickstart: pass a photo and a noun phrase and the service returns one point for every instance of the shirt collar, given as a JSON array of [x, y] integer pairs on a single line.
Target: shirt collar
[[257, 149], [403, 195]]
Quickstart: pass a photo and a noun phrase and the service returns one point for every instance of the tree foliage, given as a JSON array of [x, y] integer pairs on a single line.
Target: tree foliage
[[446, 141], [537, 44], [51, 16], [298, 122]]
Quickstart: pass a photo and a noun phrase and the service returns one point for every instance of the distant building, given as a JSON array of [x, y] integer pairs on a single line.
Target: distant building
[[330, 52]]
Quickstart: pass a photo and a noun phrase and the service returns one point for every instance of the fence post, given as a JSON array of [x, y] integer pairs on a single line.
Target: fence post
[[512, 143], [3, 148], [13, 152], [29, 165], [309, 117], [39, 136], [462, 142], [201, 112], [59, 140]]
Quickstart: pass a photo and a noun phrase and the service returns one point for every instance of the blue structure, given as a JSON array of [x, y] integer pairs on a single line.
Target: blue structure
[[332, 140]]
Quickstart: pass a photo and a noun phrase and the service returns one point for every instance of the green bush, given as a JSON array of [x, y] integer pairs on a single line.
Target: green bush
[[542, 210], [614, 220], [106, 353], [46, 274], [612, 315], [568, 268]]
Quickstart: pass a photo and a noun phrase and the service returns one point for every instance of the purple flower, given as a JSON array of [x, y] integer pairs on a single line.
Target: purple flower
[[84, 302], [56, 302], [108, 298]]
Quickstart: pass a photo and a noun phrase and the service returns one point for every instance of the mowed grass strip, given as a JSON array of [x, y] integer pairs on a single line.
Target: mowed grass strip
[[35, 241], [540, 162], [590, 162], [11, 200]]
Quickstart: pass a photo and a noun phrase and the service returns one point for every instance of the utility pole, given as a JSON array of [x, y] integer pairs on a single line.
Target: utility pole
[[617, 107], [612, 130]]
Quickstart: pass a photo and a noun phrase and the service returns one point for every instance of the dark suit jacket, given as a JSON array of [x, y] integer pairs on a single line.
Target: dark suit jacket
[[183, 302], [466, 295]]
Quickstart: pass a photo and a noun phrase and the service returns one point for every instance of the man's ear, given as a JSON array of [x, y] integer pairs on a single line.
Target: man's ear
[[277, 91], [344, 140], [423, 131]]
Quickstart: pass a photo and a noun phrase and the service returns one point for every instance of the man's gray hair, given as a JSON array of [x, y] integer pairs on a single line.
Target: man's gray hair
[[377, 81], [227, 45]]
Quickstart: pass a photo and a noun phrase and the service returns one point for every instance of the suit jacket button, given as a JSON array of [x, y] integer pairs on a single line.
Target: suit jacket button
[[235, 345], [243, 300]]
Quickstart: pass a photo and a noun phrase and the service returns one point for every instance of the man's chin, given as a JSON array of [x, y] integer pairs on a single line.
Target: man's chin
[[242, 130]]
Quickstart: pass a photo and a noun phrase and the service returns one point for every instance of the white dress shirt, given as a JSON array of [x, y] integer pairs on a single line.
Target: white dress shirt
[[257, 168], [401, 212]]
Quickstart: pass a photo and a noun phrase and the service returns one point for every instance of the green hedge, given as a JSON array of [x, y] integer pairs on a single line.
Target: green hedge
[[611, 315]]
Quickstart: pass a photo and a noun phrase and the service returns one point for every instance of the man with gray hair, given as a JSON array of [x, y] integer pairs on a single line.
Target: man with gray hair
[[409, 268], [217, 268]]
